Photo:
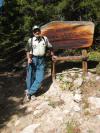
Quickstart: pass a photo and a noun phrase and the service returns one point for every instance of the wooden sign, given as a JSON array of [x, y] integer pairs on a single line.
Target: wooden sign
[[69, 34]]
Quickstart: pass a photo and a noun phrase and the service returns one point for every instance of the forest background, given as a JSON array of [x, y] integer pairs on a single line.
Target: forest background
[[18, 16]]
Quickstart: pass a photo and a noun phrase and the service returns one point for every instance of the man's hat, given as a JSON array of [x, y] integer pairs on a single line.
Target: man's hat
[[35, 27]]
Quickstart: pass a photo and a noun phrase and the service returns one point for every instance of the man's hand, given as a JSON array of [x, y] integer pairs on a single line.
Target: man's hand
[[54, 58], [29, 60], [52, 53]]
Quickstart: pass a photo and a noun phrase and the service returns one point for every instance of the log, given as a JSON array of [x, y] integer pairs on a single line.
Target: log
[[84, 62], [67, 58]]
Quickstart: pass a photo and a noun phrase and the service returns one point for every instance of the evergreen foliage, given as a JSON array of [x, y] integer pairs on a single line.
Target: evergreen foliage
[[18, 16]]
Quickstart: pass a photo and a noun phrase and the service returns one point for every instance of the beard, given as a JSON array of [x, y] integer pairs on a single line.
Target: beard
[[37, 35]]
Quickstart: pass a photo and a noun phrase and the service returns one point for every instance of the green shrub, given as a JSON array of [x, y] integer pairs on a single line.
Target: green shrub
[[98, 69]]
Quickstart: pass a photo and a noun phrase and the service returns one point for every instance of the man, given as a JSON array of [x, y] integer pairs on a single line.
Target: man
[[36, 50]]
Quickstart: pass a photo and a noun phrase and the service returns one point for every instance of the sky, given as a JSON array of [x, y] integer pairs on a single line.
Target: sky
[[1, 2]]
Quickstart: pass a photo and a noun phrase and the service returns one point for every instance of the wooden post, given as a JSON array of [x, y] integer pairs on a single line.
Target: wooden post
[[53, 71], [84, 61]]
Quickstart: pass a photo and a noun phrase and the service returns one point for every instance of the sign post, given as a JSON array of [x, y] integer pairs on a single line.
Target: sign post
[[70, 35]]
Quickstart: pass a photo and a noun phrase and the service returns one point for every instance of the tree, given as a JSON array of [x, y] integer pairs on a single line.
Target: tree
[[18, 17]]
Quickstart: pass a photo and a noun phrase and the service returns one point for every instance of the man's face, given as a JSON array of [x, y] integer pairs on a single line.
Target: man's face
[[37, 32]]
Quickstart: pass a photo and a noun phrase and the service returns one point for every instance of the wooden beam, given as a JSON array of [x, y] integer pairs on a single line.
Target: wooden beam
[[67, 58], [84, 61], [53, 71]]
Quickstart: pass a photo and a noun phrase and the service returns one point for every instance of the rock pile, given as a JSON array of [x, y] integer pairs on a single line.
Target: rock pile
[[67, 107]]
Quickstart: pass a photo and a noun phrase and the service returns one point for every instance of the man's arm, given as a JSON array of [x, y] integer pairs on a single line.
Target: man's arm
[[51, 49], [29, 59], [28, 49]]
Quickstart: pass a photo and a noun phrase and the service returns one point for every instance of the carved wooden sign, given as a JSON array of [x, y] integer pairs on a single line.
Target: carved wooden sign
[[69, 34]]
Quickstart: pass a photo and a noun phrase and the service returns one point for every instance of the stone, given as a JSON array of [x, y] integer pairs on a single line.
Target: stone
[[66, 111], [78, 82], [29, 109], [78, 91], [89, 74], [97, 77], [51, 91], [98, 117], [17, 122], [69, 80], [94, 102], [30, 128], [72, 74], [77, 98], [38, 112], [87, 78], [42, 105], [76, 108], [98, 69]]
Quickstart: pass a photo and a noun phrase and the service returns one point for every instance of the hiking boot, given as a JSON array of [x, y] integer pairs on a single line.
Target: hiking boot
[[26, 92], [27, 98], [33, 98]]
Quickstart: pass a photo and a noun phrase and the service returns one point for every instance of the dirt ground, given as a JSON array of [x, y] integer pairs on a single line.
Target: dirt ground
[[12, 85]]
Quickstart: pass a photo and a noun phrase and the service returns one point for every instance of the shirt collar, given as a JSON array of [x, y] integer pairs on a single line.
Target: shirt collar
[[38, 38]]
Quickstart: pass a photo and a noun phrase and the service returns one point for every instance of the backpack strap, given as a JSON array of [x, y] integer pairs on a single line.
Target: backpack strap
[[31, 44], [32, 41], [43, 39]]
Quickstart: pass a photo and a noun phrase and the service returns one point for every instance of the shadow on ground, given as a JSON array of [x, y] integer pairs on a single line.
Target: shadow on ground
[[12, 93], [12, 90], [45, 86], [69, 65]]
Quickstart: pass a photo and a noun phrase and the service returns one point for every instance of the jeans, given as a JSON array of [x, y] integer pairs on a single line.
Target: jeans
[[35, 74]]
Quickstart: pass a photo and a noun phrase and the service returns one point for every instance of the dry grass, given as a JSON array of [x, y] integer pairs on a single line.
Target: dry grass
[[73, 127]]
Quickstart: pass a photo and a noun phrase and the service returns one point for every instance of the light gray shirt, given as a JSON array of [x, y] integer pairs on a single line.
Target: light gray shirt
[[38, 47]]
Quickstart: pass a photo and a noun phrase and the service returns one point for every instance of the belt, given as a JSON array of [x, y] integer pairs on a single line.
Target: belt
[[38, 56]]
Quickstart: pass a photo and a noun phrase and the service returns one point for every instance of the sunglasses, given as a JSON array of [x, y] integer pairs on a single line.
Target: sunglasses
[[36, 30]]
